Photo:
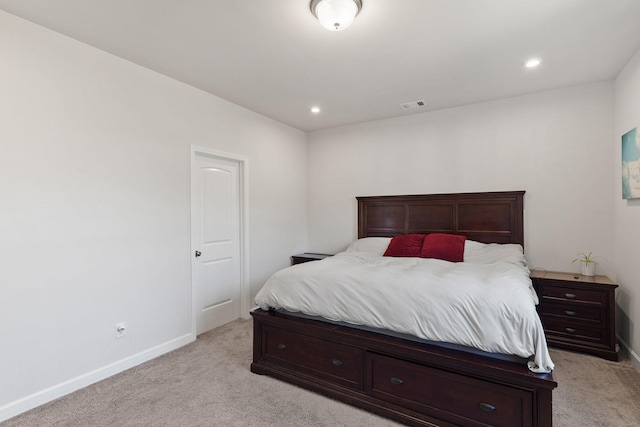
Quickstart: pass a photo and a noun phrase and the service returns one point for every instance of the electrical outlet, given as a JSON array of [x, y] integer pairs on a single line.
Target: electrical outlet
[[121, 330]]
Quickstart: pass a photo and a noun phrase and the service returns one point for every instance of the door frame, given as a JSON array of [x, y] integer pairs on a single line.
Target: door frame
[[243, 221]]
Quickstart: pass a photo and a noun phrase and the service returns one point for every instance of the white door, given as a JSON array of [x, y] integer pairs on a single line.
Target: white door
[[216, 266]]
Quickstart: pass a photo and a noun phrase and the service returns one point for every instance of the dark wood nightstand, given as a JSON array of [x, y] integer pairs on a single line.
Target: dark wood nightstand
[[306, 257], [578, 312]]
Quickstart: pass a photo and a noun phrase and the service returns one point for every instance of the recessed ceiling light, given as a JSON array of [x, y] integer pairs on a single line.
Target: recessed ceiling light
[[532, 63], [315, 110]]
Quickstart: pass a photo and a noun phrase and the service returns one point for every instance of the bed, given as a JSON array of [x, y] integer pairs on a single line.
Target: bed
[[397, 375]]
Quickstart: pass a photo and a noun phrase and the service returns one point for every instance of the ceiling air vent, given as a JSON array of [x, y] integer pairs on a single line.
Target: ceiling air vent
[[412, 104]]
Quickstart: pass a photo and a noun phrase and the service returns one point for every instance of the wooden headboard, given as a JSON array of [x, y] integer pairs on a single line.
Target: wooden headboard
[[494, 217]]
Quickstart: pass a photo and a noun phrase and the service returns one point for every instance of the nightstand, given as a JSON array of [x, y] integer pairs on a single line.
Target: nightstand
[[578, 312], [306, 257]]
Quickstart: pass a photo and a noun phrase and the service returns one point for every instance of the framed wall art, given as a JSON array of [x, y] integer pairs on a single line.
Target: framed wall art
[[631, 164]]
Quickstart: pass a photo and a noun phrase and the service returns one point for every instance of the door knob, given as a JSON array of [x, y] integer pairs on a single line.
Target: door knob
[[198, 253]]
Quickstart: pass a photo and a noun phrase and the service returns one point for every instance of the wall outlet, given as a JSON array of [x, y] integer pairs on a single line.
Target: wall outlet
[[121, 330]]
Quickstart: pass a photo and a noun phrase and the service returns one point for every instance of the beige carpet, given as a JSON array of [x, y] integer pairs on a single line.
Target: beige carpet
[[208, 383]]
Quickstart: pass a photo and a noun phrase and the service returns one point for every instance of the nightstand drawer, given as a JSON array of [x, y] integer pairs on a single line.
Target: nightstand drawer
[[553, 292], [573, 329], [573, 310]]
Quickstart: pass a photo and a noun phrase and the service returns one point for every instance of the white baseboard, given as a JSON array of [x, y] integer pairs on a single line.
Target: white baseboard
[[633, 356], [47, 395]]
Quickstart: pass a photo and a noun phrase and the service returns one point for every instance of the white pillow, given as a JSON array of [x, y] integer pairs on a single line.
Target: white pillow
[[488, 253], [376, 245]]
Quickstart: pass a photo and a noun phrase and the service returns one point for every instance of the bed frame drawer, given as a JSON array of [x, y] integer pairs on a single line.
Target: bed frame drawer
[[483, 403], [317, 357]]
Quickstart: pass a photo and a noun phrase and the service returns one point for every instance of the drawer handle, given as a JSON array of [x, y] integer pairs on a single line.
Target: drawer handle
[[337, 362], [486, 407], [281, 347], [396, 381], [570, 313], [570, 330], [570, 296]]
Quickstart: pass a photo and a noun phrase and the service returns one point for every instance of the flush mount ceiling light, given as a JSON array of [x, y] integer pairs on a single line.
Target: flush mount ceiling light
[[335, 15]]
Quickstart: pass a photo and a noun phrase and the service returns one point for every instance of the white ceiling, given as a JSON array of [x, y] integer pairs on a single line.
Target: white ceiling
[[273, 57]]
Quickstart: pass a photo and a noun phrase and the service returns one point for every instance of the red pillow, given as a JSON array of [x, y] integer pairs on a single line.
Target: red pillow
[[405, 245], [448, 247]]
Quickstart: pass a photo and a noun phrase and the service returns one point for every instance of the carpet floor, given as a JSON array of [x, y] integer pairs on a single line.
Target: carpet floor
[[208, 383]]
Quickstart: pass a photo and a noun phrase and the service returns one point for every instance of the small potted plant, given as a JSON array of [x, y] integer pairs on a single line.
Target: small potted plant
[[587, 263]]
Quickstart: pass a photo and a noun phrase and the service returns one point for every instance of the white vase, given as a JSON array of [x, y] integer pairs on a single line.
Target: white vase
[[588, 268]]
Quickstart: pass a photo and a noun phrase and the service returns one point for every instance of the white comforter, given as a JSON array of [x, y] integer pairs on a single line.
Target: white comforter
[[486, 302]]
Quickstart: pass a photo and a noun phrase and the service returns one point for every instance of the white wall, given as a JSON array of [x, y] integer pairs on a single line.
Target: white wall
[[554, 145], [94, 208], [627, 213]]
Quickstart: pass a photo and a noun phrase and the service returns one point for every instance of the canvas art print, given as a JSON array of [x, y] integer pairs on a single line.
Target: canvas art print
[[631, 164]]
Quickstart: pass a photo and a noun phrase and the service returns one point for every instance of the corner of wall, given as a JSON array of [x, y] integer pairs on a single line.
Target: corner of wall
[[633, 356]]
